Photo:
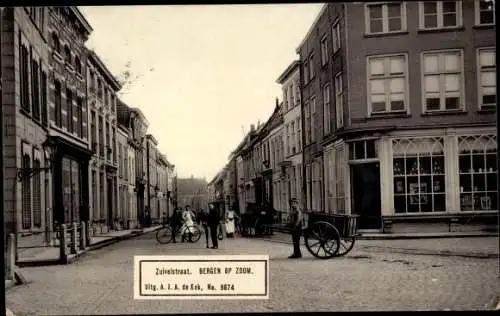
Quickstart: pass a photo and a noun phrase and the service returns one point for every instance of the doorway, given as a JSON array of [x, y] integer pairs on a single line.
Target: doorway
[[366, 202], [110, 203]]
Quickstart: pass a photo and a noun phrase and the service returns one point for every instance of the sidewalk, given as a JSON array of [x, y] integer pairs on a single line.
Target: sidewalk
[[461, 246], [50, 255]]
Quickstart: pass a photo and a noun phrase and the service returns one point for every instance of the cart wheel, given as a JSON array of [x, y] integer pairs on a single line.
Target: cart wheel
[[346, 245], [164, 235], [322, 240]]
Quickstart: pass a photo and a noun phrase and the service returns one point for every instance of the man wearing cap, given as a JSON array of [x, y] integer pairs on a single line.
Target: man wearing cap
[[296, 223]]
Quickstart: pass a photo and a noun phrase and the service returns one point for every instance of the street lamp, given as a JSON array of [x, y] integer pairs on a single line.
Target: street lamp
[[49, 151]]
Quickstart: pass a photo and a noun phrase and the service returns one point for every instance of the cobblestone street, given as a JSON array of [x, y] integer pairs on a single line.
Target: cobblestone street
[[101, 282]]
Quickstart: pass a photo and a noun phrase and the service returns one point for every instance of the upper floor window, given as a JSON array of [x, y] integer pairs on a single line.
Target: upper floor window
[[314, 120], [326, 109], [285, 98], [440, 14], [67, 54], [487, 74], [385, 17], [324, 50], [56, 44], [336, 37], [339, 100], [442, 80], [311, 67], [387, 83], [78, 65], [306, 71], [484, 12]]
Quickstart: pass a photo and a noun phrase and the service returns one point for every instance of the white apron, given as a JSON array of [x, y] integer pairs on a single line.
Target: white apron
[[188, 223], [230, 223]]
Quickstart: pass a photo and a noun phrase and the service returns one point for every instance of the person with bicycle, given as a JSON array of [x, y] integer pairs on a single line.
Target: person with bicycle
[[175, 222], [188, 219]]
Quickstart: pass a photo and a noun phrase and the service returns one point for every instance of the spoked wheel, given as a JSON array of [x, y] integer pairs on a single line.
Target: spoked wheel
[[195, 233], [164, 235], [346, 245], [322, 240]]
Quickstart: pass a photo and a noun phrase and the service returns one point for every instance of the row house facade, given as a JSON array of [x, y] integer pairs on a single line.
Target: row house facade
[[137, 125], [412, 114], [292, 128], [152, 189], [162, 183], [61, 161], [102, 87], [398, 106]]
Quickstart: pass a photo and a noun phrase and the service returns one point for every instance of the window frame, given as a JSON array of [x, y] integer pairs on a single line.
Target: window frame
[[327, 124], [339, 96], [386, 78], [312, 107], [442, 107], [477, 14], [312, 70], [324, 50], [481, 106], [385, 18], [336, 42], [439, 16]]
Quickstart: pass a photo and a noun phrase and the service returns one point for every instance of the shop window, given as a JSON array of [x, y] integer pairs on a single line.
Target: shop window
[[419, 175], [26, 194], [477, 164]]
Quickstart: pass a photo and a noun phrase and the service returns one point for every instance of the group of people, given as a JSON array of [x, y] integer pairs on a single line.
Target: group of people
[[183, 219]]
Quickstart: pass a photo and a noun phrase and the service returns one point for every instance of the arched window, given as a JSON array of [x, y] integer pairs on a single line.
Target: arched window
[[56, 45]]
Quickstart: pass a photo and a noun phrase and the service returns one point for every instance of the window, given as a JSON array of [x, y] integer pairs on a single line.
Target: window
[[478, 172], [387, 83], [37, 196], [58, 103], [297, 92], [56, 44], [326, 109], [311, 67], [306, 72], [293, 144], [120, 169], [93, 137], [99, 88], [340, 179], [285, 98], [440, 14], [101, 190], [299, 134], [79, 117], [336, 37], [485, 12], [113, 136], [69, 109], [385, 18], [24, 78], [487, 78], [26, 192], [324, 50], [35, 89], [288, 145], [44, 98], [442, 80], [112, 101], [339, 100], [362, 149], [312, 105], [307, 123], [419, 175], [78, 65], [101, 137], [67, 54], [291, 95], [308, 187]]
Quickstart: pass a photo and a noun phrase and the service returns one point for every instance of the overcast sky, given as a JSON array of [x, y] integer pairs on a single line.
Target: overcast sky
[[206, 71]]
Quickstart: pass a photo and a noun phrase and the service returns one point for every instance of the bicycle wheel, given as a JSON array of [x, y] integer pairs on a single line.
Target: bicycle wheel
[[196, 234], [164, 235], [325, 237]]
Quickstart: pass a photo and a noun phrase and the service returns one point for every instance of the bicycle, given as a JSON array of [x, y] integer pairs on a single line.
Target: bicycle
[[164, 234]]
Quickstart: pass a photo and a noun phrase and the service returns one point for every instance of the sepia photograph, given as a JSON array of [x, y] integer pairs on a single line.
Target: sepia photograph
[[249, 158]]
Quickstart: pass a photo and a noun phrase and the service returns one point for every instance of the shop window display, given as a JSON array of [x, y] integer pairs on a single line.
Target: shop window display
[[419, 175]]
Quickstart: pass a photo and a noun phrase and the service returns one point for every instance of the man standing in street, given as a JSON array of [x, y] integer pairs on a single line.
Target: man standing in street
[[175, 222], [203, 219], [296, 223], [213, 223]]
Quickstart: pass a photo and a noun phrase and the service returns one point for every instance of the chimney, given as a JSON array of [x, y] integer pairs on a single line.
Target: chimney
[[277, 102]]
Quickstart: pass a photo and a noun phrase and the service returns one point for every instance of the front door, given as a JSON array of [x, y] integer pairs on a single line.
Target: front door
[[110, 203], [365, 186]]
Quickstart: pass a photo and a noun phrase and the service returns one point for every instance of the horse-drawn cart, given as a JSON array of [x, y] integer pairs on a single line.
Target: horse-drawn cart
[[330, 235]]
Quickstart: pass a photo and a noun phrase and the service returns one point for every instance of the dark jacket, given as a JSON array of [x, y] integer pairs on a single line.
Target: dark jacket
[[176, 219], [213, 217], [203, 217]]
